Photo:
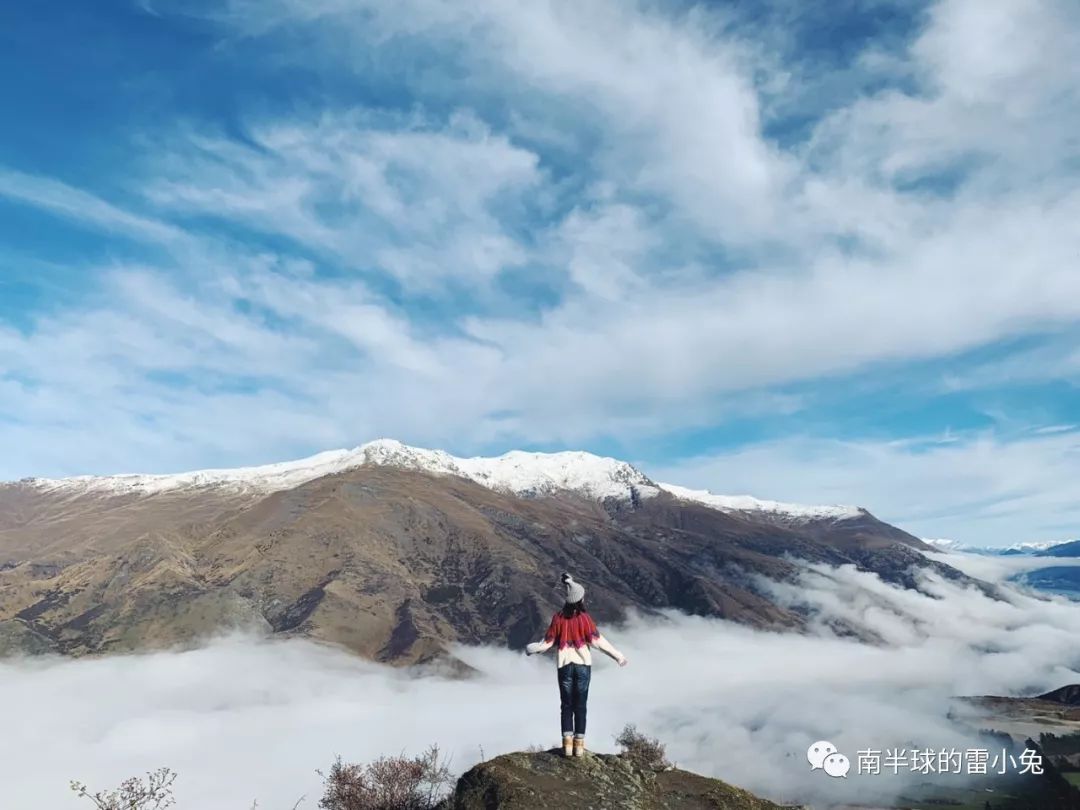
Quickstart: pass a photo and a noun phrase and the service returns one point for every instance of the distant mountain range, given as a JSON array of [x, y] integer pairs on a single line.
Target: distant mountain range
[[1053, 548], [398, 552], [1062, 579]]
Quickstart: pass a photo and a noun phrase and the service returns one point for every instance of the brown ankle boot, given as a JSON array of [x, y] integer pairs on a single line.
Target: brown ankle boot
[[579, 746], [567, 746]]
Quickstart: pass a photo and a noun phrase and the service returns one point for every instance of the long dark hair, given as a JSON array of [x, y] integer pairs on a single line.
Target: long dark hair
[[572, 609]]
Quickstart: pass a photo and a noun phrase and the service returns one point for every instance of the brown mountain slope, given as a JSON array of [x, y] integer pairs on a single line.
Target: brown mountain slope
[[394, 564]]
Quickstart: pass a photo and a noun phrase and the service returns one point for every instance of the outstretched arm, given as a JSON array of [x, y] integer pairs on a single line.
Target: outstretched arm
[[608, 649], [546, 644]]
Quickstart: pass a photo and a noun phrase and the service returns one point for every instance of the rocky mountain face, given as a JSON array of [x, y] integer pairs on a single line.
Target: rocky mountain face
[[397, 553], [1068, 695], [542, 781]]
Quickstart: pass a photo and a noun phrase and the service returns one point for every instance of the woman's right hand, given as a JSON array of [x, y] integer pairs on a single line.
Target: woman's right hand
[[623, 661]]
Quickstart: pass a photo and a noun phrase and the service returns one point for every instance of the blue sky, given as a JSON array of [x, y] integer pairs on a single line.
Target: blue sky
[[816, 252]]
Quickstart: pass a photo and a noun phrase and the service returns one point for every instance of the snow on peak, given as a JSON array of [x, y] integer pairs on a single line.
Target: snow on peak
[[544, 473], [516, 472], [1031, 547], [945, 544], [519, 472], [745, 503]]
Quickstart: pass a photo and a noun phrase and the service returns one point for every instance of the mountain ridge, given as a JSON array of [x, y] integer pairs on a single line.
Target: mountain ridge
[[1043, 548], [398, 564], [518, 472]]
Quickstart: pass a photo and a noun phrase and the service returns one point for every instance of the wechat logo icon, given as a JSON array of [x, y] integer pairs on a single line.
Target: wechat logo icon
[[823, 756]]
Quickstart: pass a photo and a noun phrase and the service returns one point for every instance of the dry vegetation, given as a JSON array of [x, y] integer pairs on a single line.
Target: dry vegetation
[[399, 782], [388, 783], [152, 793], [645, 752]]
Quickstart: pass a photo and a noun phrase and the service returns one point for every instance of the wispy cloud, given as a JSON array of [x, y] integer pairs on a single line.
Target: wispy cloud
[[546, 223], [81, 206], [422, 203], [981, 489]]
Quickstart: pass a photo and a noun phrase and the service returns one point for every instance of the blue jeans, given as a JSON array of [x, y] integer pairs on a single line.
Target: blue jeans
[[573, 697]]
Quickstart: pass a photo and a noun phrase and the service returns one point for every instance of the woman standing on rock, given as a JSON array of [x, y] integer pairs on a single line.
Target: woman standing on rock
[[574, 631]]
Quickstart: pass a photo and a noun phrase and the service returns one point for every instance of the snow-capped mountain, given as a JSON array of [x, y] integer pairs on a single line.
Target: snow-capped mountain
[[517, 472], [1032, 548], [746, 503], [398, 553], [945, 544]]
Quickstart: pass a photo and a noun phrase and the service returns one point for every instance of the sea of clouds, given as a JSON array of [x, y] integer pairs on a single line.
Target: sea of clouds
[[243, 719]]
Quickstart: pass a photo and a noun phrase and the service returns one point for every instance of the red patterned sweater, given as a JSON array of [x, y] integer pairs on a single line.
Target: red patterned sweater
[[574, 637]]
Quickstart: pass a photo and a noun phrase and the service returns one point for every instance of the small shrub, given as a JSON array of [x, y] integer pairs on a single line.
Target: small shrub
[[155, 793], [645, 752], [388, 783]]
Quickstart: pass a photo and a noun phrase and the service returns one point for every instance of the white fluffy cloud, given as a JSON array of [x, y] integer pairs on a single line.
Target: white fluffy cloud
[[978, 489], [580, 230], [240, 719]]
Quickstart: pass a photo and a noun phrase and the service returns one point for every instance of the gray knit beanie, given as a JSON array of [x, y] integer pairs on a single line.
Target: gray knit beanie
[[574, 591]]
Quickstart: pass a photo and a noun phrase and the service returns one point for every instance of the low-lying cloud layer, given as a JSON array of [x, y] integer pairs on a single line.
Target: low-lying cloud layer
[[242, 719]]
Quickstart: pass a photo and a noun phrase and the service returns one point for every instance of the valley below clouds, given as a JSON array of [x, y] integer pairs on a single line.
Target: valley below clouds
[[243, 719]]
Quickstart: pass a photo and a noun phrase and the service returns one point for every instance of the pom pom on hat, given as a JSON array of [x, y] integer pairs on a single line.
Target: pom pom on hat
[[574, 591]]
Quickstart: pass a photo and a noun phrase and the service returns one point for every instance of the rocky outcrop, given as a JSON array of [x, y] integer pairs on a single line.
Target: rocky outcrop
[[539, 781]]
